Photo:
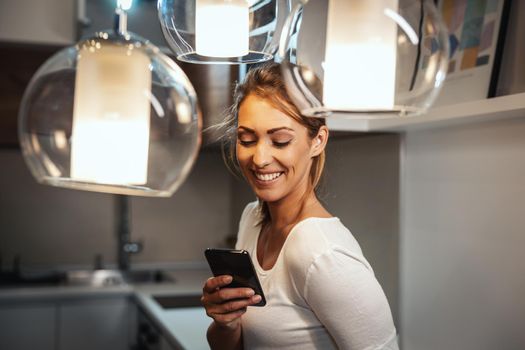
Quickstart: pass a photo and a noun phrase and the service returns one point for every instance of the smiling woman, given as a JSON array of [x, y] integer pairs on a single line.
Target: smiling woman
[[320, 290], [275, 152]]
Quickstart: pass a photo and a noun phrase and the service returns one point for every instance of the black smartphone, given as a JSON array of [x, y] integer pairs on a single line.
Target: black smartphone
[[238, 264]]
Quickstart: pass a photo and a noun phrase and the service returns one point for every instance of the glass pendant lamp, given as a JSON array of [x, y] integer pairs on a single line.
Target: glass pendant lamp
[[363, 59], [223, 31], [110, 114]]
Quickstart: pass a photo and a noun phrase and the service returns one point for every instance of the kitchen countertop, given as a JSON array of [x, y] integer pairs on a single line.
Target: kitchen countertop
[[185, 326], [182, 326], [21, 294]]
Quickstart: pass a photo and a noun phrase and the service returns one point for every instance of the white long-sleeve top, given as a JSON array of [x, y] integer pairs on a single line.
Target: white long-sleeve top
[[321, 293]]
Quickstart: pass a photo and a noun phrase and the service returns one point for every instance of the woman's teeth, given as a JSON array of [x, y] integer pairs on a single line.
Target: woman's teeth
[[267, 177]]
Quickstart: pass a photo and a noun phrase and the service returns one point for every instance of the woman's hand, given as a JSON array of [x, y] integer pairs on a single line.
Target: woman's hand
[[226, 305]]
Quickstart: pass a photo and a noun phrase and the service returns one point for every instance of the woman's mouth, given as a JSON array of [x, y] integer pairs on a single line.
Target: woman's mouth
[[267, 178]]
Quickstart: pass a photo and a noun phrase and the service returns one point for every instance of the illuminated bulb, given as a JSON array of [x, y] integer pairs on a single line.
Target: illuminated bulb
[[360, 58], [125, 4], [60, 139], [221, 28], [111, 116]]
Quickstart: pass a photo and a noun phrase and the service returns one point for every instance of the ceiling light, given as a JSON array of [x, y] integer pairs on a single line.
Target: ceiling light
[[364, 59], [110, 114], [223, 31]]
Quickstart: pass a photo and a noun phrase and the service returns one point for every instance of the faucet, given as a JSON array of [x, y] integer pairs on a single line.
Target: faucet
[[125, 247]]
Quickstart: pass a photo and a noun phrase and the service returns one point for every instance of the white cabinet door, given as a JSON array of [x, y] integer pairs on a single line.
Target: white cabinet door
[[27, 327], [96, 324], [42, 21]]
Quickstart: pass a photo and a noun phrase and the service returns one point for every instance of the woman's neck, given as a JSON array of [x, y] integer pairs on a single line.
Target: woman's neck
[[288, 211]]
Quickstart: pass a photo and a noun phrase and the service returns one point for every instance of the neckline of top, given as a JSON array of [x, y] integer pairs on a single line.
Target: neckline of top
[[299, 223]]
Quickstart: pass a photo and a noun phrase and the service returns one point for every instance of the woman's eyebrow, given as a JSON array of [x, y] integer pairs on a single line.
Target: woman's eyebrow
[[243, 128], [271, 131]]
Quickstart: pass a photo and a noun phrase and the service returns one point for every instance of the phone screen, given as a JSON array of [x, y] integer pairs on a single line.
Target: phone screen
[[238, 264]]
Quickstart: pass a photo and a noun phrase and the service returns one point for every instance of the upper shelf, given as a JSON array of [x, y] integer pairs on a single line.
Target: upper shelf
[[482, 110]]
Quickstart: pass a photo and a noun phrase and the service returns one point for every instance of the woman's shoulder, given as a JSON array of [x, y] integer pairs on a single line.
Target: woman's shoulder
[[247, 224], [319, 235], [313, 238], [250, 212]]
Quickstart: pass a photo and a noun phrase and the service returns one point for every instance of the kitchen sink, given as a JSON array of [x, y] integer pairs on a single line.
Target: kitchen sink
[[99, 278], [17, 279], [93, 278], [177, 301]]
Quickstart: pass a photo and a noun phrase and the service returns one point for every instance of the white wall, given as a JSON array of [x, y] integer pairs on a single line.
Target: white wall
[[47, 225], [462, 237], [463, 226], [197, 216], [50, 226]]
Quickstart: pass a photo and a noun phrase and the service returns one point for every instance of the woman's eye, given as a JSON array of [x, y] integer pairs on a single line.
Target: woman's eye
[[247, 142], [281, 144]]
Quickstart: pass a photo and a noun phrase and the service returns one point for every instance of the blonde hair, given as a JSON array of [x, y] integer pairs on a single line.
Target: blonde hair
[[265, 81]]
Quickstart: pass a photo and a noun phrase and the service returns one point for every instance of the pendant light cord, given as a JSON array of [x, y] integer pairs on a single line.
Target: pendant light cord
[[418, 57], [121, 21]]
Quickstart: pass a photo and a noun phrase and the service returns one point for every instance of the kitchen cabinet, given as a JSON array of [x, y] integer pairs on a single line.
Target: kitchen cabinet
[[149, 336], [96, 324], [101, 322], [49, 22], [25, 327], [165, 345]]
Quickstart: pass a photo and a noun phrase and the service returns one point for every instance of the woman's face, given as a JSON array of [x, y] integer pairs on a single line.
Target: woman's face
[[273, 150]]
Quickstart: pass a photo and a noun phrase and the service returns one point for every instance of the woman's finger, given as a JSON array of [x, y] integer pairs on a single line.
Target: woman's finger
[[226, 294], [213, 310], [234, 306], [213, 283]]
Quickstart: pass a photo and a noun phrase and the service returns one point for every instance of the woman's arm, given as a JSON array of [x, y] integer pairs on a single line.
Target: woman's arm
[[221, 337], [348, 300], [226, 306]]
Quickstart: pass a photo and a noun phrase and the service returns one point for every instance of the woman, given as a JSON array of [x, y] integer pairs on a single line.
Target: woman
[[321, 292]]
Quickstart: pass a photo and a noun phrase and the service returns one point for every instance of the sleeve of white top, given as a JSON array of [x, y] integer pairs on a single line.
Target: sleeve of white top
[[348, 300], [246, 215]]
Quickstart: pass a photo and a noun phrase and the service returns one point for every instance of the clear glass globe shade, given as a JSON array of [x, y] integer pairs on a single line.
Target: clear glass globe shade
[[223, 31], [364, 59], [111, 114]]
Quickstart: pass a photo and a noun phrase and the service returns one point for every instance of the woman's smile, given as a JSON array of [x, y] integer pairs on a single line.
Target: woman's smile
[[267, 178]]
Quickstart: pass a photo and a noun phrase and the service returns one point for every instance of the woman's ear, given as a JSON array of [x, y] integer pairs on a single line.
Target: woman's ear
[[319, 141]]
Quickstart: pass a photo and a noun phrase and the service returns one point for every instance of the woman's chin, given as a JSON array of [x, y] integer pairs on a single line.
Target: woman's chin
[[267, 195]]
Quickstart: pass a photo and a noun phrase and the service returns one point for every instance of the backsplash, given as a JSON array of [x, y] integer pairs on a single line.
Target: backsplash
[[54, 227]]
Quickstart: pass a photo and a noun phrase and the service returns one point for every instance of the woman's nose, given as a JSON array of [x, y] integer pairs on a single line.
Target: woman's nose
[[262, 155]]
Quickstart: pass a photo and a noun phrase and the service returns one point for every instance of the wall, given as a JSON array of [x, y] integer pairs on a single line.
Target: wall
[[512, 72], [462, 238], [50, 226], [462, 226]]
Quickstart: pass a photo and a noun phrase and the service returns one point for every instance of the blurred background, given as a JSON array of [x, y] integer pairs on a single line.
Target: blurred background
[[438, 213]]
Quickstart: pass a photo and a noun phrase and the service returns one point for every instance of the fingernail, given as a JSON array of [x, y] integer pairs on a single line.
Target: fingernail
[[250, 293], [257, 298], [227, 279]]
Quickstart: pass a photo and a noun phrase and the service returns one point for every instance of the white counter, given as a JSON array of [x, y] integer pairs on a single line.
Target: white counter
[[185, 326]]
